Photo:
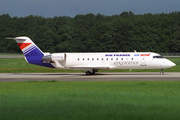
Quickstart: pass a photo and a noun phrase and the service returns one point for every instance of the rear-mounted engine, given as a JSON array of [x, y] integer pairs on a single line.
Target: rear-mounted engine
[[52, 57]]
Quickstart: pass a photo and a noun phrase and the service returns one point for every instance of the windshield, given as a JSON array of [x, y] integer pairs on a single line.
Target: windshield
[[158, 56]]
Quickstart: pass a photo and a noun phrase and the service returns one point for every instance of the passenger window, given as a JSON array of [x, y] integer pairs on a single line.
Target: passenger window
[[88, 59], [106, 58], [78, 59], [97, 58], [116, 58], [111, 58], [92, 58], [83, 59], [102, 58], [121, 58], [131, 58]]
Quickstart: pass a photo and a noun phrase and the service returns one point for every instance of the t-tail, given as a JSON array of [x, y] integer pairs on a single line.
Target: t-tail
[[31, 52]]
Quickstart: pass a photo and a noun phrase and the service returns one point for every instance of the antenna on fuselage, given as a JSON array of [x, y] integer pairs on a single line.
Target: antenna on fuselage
[[135, 51]]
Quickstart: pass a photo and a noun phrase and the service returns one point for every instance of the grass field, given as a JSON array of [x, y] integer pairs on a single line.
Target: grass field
[[19, 65], [117, 100], [112, 100]]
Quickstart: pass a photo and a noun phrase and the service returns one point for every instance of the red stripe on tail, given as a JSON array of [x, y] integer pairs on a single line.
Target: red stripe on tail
[[23, 45]]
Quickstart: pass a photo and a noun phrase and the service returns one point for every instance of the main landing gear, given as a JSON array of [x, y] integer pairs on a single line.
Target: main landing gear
[[162, 72], [91, 73], [88, 73]]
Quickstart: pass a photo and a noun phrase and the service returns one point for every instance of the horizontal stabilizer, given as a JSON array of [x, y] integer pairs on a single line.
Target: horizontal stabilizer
[[18, 38], [8, 38]]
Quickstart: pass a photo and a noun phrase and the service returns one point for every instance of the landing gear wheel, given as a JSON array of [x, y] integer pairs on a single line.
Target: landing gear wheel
[[162, 73], [88, 73]]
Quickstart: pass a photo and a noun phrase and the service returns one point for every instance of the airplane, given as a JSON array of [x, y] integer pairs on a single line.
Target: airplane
[[90, 63]]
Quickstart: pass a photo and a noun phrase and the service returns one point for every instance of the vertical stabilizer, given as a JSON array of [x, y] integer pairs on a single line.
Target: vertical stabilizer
[[31, 52], [28, 47]]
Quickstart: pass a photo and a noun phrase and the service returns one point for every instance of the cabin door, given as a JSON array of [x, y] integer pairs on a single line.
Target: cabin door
[[143, 61]]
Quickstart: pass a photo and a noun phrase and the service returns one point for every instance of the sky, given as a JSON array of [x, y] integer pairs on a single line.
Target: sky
[[71, 8]]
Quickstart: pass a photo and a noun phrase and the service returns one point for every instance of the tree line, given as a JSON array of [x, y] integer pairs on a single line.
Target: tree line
[[94, 33]]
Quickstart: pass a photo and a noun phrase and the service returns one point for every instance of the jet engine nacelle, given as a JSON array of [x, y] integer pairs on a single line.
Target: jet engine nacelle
[[58, 56], [55, 56]]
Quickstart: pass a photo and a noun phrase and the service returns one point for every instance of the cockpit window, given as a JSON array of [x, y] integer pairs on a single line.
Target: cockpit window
[[158, 57]]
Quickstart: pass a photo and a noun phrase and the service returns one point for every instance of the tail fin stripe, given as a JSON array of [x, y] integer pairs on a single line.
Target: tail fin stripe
[[23, 45], [28, 47], [29, 50]]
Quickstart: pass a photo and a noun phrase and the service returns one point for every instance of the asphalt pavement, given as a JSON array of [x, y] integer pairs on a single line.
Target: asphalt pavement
[[121, 76]]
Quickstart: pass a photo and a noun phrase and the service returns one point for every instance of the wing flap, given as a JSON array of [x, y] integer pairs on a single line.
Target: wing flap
[[89, 67]]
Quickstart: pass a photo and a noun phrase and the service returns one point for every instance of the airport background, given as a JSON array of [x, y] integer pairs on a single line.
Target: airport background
[[87, 100], [125, 32]]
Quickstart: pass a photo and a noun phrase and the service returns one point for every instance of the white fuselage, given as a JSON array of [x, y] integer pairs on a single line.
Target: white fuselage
[[114, 60]]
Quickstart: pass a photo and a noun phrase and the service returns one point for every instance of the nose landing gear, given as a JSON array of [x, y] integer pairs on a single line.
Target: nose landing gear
[[162, 72]]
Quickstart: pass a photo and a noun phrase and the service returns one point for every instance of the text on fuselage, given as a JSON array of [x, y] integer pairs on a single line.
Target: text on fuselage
[[117, 55]]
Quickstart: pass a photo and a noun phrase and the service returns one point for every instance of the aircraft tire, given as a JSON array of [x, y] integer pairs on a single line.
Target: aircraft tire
[[161, 73], [88, 73]]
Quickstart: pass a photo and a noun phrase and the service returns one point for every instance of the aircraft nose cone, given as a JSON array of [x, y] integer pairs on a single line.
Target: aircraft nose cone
[[172, 64]]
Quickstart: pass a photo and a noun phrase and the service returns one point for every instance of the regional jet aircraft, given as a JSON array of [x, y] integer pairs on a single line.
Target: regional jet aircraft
[[92, 62]]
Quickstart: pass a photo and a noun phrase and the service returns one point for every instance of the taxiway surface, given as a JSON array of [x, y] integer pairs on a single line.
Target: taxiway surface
[[121, 76]]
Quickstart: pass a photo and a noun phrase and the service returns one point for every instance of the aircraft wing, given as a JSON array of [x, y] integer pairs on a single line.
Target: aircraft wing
[[84, 67], [90, 67]]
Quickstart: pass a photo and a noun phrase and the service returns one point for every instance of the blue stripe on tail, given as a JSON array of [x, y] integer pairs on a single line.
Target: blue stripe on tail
[[34, 55]]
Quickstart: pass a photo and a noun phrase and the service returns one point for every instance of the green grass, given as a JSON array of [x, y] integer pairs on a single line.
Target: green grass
[[11, 54], [19, 65], [117, 100]]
